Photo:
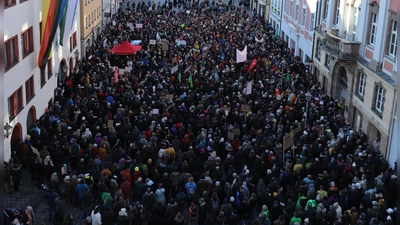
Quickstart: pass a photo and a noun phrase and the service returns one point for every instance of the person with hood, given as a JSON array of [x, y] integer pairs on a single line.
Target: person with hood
[[192, 214], [160, 194], [107, 198], [172, 210], [96, 216], [148, 200], [123, 217], [126, 191]]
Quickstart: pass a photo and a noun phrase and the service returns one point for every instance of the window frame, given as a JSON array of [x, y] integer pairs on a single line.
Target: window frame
[[326, 10], [379, 98], [49, 68], [304, 16], [291, 8], [296, 18], [361, 84], [327, 61], [318, 50], [312, 21], [8, 4], [337, 13], [373, 29], [392, 39], [42, 78], [12, 51], [30, 89], [27, 42]]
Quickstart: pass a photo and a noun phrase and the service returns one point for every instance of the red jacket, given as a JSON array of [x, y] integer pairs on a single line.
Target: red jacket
[[127, 175], [126, 189]]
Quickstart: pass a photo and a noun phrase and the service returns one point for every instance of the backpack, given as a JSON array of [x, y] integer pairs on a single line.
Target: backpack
[[181, 200]]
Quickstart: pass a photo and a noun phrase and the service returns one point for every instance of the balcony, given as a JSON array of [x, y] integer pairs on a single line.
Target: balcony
[[338, 47]]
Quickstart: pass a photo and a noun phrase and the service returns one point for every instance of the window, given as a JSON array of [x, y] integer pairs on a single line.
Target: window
[[49, 68], [30, 88], [327, 61], [284, 7], [374, 28], [291, 8], [27, 42], [72, 42], [86, 2], [40, 34], [379, 98], [9, 3], [92, 17], [303, 19], [355, 21], [337, 12], [11, 57], [361, 84], [15, 103], [297, 12], [86, 21], [326, 11], [89, 20], [393, 39], [42, 77], [312, 21], [318, 53]]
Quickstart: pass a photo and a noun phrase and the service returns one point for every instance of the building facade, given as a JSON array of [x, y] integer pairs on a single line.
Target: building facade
[[355, 50], [26, 93], [261, 8], [110, 7], [91, 14], [296, 25]]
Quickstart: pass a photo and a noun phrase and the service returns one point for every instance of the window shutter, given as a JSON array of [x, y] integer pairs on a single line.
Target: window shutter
[[8, 54], [25, 38], [16, 55], [14, 103], [30, 38]]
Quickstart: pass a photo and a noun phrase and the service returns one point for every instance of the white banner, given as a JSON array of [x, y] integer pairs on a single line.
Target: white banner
[[174, 69], [241, 56], [152, 42], [249, 87], [183, 42]]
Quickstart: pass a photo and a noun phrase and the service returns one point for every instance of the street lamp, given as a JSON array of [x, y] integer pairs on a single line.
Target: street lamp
[[7, 129], [308, 99]]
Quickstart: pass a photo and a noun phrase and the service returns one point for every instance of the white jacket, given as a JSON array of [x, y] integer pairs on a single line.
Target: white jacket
[[96, 218]]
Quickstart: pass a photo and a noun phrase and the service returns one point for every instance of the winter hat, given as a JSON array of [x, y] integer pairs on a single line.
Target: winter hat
[[217, 183], [89, 219], [374, 203], [389, 210], [123, 212], [232, 199]]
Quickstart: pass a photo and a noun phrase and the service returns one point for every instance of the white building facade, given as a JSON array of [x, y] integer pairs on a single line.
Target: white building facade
[[296, 25], [110, 7], [355, 59], [28, 90]]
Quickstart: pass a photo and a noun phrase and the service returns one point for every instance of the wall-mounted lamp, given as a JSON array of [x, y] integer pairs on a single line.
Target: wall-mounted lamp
[[76, 53], [7, 129]]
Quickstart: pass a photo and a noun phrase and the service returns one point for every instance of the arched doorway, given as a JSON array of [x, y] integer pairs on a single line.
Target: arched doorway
[[15, 136], [87, 45], [30, 119], [98, 32], [343, 92], [62, 70]]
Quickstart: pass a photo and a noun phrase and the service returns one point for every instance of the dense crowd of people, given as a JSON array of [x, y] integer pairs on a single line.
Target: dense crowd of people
[[189, 136]]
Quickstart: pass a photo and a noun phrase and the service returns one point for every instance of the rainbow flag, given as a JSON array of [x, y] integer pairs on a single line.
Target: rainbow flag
[[52, 20]]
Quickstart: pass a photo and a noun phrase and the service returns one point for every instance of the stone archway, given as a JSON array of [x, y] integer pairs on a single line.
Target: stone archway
[[31, 118]]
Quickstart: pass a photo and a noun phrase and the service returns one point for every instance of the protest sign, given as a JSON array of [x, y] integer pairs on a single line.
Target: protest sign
[[139, 25], [152, 42]]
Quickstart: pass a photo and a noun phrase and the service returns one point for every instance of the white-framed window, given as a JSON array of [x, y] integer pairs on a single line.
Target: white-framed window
[[284, 7], [303, 19], [312, 21], [328, 61], [337, 12], [380, 95], [393, 39], [374, 28], [355, 21], [326, 9], [291, 8], [296, 18], [362, 79], [318, 54]]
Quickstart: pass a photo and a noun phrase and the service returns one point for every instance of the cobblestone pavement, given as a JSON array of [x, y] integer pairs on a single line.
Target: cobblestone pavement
[[29, 195]]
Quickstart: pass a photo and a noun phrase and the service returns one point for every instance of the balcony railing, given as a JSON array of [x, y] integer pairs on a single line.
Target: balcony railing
[[340, 47]]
